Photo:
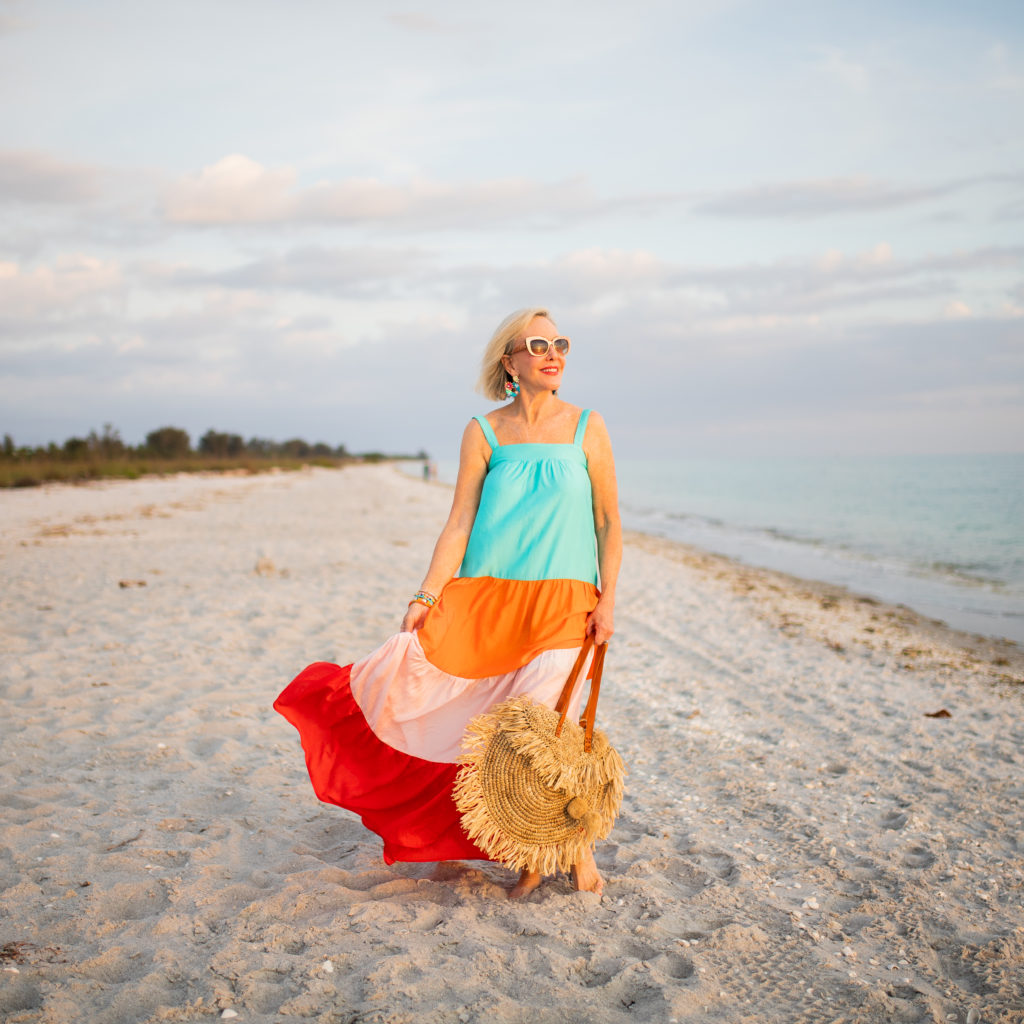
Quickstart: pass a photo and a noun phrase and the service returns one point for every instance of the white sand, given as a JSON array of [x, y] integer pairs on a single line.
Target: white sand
[[799, 842]]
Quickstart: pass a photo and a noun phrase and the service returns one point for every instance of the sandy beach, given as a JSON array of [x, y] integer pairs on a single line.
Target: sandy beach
[[822, 823]]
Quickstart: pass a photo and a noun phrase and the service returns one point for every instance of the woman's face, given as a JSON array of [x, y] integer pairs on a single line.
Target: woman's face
[[537, 372]]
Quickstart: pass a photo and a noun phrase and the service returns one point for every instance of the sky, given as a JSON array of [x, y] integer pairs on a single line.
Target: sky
[[767, 227]]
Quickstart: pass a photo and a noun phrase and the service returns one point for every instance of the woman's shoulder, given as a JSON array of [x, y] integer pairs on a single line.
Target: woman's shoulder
[[483, 426], [594, 419], [596, 442], [493, 416]]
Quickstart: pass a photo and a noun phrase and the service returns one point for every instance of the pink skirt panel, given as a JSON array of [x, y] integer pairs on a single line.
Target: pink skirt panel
[[419, 710]]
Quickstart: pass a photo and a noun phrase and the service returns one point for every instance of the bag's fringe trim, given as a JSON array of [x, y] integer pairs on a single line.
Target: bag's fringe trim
[[519, 720]]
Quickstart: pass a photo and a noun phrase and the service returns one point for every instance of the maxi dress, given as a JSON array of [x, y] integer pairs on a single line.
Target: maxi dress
[[383, 736]]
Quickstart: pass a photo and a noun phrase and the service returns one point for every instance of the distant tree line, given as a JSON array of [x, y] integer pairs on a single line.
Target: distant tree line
[[165, 450], [170, 443]]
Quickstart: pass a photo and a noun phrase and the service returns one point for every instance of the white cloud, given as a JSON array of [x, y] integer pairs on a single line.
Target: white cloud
[[752, 299], [238, 190], [233, 190], [72, 281]]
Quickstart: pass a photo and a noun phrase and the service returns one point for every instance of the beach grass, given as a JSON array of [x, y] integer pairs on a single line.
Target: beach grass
[[33, 472]]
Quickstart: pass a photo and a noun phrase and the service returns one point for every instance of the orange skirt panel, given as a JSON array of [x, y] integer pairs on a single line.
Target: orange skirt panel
[[482, 626]]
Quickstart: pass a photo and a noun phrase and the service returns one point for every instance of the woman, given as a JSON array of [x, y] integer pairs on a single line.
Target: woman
[[533, 519]]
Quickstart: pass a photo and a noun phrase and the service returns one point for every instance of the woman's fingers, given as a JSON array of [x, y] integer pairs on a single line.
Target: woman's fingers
[[601, 631], [414, 617]]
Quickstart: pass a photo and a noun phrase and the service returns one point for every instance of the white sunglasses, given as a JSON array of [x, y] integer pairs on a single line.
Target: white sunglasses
[[538, 346]]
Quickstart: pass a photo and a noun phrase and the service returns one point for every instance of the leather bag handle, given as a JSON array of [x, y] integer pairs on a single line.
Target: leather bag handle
[[590, 712]]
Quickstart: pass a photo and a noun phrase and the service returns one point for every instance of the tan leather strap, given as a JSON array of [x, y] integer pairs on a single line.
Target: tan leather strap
[[590, 712], [587, 720], [570, 684]]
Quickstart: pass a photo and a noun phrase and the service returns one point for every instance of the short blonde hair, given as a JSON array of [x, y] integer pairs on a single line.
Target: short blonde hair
[[492, 371]]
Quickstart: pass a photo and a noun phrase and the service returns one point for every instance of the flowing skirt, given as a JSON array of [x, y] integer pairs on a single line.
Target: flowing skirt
[[383, 736]]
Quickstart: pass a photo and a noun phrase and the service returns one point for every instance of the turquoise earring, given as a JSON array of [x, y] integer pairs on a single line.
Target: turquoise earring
[[512, 386]]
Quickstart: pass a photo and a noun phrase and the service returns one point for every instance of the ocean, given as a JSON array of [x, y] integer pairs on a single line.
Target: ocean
[[942, 534]]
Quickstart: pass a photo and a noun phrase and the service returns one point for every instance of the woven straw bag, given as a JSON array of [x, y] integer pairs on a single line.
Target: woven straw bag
[[535, 790]]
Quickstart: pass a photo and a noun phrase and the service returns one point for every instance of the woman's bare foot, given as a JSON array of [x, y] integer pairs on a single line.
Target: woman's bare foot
[[585, 876], [528, 881]]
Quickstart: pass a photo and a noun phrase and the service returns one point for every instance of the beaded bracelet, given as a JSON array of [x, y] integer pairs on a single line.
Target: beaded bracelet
[[422, 597]]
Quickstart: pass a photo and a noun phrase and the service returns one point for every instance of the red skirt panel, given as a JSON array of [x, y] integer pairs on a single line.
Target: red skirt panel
[[406, 800]]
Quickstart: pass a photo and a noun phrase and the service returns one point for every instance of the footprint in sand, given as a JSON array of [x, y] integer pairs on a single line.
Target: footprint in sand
[[893, 819], [918, 857], [675, 966]]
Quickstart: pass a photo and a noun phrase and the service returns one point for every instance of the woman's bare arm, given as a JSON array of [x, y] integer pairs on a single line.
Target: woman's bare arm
[[451, 544], [607, 526]]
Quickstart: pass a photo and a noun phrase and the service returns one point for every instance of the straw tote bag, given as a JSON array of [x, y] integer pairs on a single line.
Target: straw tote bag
[[535, 790]]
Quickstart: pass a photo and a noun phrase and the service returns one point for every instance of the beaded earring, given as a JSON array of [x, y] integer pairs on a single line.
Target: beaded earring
[[512, 386]]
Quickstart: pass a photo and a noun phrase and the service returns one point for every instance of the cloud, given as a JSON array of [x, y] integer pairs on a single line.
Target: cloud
[[238, 190], [805, 200], [72, 281], [749, 302], [358, 271], [257, 362], [32, 177], [989, 257], [956, 310], [233, 190]]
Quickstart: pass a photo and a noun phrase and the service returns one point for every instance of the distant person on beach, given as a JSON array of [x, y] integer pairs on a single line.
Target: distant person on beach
[[533, 528]]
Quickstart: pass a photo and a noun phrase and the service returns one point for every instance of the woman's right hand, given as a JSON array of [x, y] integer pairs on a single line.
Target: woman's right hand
[[414, 617]]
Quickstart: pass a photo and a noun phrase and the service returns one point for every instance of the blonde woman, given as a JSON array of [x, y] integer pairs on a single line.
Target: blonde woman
[[511, 591]]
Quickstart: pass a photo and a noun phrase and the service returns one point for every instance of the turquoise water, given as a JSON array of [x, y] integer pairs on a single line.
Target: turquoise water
[[943, 535]]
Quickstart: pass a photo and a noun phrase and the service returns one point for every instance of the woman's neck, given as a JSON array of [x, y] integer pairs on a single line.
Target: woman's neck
[[535, 407]]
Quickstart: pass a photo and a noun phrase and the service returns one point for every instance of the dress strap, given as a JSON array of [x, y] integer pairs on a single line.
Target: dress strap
[[581, 427], [492, 438]]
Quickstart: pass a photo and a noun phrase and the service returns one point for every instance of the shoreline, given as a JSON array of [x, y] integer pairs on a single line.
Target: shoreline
[[841, 618], [804, 835]]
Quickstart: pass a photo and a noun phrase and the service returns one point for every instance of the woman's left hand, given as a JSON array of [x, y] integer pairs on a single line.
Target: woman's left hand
[[415, 616], [601, 622]]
